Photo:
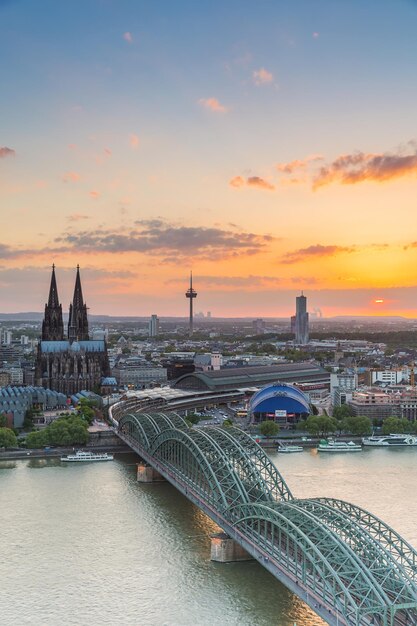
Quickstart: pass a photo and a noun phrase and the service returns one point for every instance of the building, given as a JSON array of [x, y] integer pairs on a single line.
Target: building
[[139, 376], [391, 402], [281, 403], [342, 387], [258, 326], [69, 365], [299, 323], [254, 377], [15, 401], [154, 326]]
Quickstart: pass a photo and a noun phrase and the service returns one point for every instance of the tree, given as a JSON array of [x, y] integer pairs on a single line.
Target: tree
[[227, 423], [7, 438], [320, 425], [268, 428], [341, 412], [193, 418], [357, 425], [3, 420], [65, 431], [395, 425]]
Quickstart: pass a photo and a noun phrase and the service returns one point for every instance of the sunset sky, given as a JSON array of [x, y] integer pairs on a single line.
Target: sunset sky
[[269, 146]]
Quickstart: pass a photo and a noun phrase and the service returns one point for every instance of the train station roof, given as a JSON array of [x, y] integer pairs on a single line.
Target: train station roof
[[244, 377]]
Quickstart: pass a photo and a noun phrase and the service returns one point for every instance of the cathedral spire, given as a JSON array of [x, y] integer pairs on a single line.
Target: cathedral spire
[[53, 325], [78, 322]]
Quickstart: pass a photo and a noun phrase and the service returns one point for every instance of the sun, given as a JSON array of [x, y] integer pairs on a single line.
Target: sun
[[379, 301]]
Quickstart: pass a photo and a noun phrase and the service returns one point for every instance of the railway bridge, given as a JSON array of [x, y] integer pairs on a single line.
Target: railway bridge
[[350, 567]]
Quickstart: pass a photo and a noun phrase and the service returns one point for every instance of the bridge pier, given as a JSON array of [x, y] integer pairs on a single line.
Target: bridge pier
[[225, 550], [147, 474]]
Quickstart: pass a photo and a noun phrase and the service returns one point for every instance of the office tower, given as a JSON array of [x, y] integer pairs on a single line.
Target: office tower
[[301, 320], [154, 326]]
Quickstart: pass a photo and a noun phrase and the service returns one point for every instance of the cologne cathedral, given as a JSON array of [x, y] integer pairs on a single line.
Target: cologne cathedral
[[73, 363]]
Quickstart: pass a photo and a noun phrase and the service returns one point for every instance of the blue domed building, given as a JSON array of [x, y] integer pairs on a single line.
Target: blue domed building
[[282, 403]]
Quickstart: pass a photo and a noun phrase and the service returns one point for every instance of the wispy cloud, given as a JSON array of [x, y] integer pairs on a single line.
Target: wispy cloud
[[232, 281], [213, 104], [71, 177], [128, 37], [134, 141], [262, 77], [94, 194], [77, 217], [315, 251], [251, 181], [298, 164], [6, 152]]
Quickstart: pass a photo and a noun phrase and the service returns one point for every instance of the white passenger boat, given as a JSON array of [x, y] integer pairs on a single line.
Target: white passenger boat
[[82, 456], [387, 441], [338, 446], [288, 449]]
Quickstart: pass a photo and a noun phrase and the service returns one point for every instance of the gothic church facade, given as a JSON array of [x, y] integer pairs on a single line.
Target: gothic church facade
[[73, 363]]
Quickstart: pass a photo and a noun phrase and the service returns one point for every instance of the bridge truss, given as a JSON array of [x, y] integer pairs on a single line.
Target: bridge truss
[[347, 564]]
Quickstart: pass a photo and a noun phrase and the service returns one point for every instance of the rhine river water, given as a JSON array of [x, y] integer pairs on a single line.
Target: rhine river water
[[86, 545]]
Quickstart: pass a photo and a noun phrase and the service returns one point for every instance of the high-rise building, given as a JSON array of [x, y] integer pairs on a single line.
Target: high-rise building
[[154, 326], [301, 320]]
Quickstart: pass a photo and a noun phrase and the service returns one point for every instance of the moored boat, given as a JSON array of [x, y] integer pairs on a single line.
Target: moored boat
[[388, 441], [82, 456], [288, 449], [330, 445]]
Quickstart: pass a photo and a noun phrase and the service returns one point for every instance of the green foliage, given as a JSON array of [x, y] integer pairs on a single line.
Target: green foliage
[[320, 425], [227, 423], [268, 428], [85, 409], [396, 425], [192, 418], [341, 412], [65, 431], [7, 438], [3, 420], [357, 425]]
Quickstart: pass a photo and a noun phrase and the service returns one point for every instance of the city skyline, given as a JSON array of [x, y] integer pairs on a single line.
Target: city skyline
[[281, 158]]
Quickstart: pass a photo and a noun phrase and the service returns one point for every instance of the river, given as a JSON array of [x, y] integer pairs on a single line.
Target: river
[[86, 545]]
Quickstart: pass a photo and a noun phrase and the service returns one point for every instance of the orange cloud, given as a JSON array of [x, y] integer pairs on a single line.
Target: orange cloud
[[350, 169], [251, 181], [262, 77], [213, 105], [128, 37], [77, 217], [298, 164], [71, 177], [317, 250], [6, 152], [134, 141], [94, 194]]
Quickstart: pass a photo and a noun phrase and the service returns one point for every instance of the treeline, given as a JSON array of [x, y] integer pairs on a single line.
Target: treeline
[[64, 431]]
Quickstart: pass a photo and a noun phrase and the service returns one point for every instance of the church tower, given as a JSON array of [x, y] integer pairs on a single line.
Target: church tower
[[78, 322], [53, 325]]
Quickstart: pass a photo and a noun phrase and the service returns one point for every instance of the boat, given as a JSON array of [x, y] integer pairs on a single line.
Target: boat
[[331, 445], [288, 449], [82, 456], [394, 440]]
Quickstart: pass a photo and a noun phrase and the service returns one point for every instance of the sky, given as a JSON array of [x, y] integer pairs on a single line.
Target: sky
[[270, 147]]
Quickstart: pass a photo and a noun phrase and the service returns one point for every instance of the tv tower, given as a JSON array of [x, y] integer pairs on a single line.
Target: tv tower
[[191, 294]]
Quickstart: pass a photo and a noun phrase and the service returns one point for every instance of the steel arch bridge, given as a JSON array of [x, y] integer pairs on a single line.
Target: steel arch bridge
[[350, 567]]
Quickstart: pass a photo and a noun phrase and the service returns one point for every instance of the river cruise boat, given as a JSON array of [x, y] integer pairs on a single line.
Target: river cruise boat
[[82, 456], [283, 448], [388, 441], [338, 446]]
